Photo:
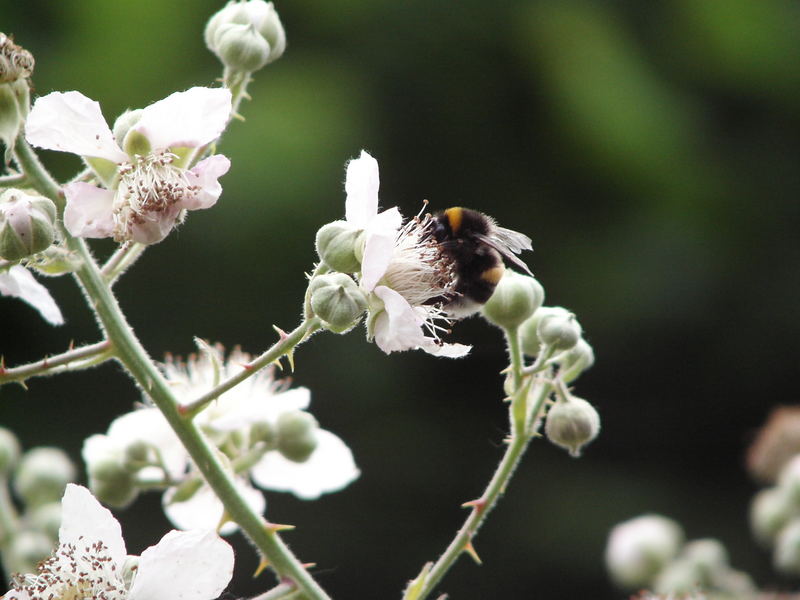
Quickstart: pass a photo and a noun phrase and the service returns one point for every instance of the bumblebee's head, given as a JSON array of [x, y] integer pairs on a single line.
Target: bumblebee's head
[[447, 224]]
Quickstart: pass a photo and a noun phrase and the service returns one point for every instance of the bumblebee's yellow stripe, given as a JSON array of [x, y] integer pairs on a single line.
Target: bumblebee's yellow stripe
[[493, 275], [454, 217]]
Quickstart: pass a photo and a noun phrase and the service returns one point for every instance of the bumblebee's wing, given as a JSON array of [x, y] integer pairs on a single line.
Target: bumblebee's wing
[[520, 242], [513, 240]]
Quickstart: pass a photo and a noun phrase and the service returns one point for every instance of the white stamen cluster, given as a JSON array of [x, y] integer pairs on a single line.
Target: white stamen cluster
[[148, 187], [75, 573], [419, 271]]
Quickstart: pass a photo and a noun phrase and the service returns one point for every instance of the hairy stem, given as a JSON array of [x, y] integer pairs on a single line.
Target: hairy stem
[[74, 359]]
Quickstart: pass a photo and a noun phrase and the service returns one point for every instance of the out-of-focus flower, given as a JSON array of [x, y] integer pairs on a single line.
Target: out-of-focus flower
[[777, 442], [18, 282], [147, 185], [91, 561]]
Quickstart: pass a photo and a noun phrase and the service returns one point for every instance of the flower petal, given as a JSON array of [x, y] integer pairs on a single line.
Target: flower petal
[[204, 175], [85, 521], [379, 247], [361, 184], [71, 122], [18, 282], [186, 565], [329, 469], [204, 510], [236, 411], [398, 328], [89, 210], [155, 226], [186, 119], [446, 350]]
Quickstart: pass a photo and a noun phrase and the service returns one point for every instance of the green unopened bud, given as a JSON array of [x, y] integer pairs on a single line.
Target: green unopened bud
[[528, 331], [787, 549], [515, 299], [639, 548], [336, 246], [572, 424], [28, 548], [241, 47], [27, 224], [561, 332], [9, 451], [575, 361], [46, 518], [136, 144], [679, 577], [337, 300], [770, 511], [112, 482], [16, 66], [124, 123], [136, 455], [262, 431], [235, 46], [708, 556], [42, 475], [297, 435]]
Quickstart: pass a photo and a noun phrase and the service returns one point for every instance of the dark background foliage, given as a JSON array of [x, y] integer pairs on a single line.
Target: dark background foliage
[[650, 149]]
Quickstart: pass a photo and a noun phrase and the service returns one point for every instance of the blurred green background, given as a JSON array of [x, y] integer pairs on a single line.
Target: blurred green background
[[650, 149]]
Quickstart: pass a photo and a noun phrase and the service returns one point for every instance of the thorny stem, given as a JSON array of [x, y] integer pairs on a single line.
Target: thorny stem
[[282, 347], [74, 359], [517, 444], [140, 366]]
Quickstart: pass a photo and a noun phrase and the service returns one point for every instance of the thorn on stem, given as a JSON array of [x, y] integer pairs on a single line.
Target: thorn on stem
[[262, 565], [479, 505], [276, 527], [470, 549]]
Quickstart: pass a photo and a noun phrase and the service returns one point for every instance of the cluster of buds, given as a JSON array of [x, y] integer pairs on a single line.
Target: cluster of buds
[[38, 478], [16, 66], [246, 35], [650, 552]]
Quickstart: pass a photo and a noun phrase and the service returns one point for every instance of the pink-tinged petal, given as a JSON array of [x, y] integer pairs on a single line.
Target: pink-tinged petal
[[84, 521], [186, 119], [89, 210], [398, 328], [379, 247], [329, 469], [204, 175], [361, 185], [184, 565], [18, 282], [71, 122], [204, 509], [156, 226]]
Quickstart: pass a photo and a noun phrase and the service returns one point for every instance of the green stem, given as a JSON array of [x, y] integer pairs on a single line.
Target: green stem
[[16, 180], [122, 259], [141, 367], [282, 347], [520, 392], [74, 359]]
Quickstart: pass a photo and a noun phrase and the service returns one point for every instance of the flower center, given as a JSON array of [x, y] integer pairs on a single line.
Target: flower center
[[73, 572], [150, 189], [419, 271]]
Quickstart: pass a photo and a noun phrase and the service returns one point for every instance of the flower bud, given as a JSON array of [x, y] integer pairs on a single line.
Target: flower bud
[[9, 451], [16, 66], [789, 480], [124, 123], [679, 577], [515, 298], [336, 245], [27, 549], [297, 438], [262, 431], [528, 331], [770, 511], [245, 36], [27, 224], [241, 47], [572, 424], [111, 482], [337, 300], [42, 475], [46, 518], [708, 556], [787, 549], [639, 548], [136, 455], [559, 331], [575, 361], [15, 62]]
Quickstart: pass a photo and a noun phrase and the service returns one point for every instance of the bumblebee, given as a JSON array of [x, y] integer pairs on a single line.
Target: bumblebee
[[475, 246]]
